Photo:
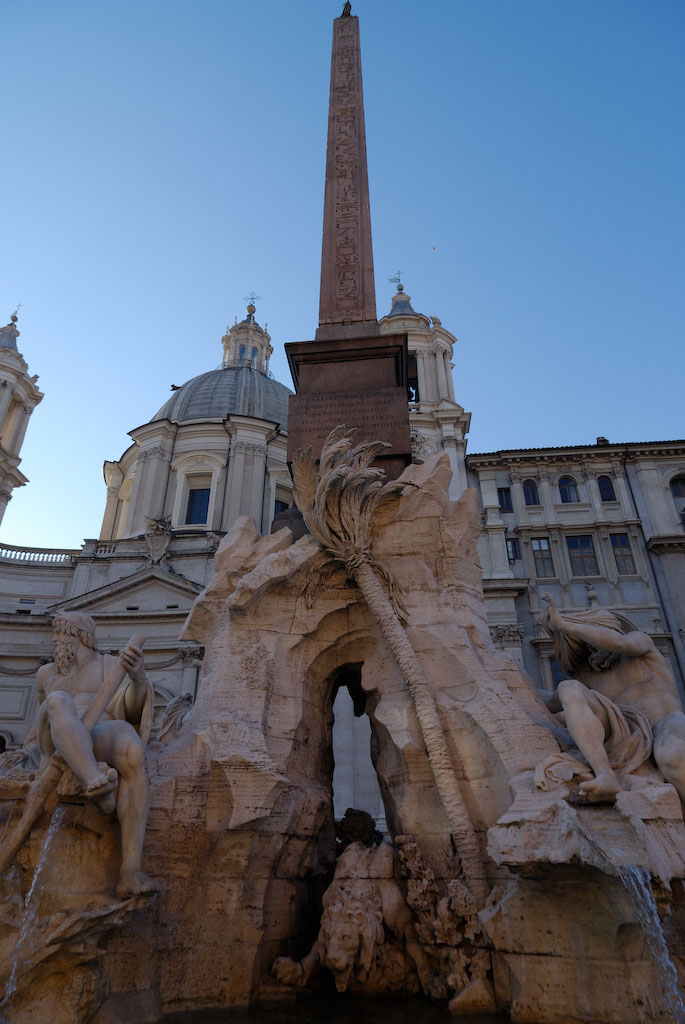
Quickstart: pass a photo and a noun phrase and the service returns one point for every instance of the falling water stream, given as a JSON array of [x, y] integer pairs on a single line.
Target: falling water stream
[[28, 930], [637, 884]]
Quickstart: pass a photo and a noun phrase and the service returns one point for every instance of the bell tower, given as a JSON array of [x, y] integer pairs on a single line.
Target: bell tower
[[19, 396]]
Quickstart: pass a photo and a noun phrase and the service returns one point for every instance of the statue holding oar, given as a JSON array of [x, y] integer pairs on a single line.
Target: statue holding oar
[[93, 708]]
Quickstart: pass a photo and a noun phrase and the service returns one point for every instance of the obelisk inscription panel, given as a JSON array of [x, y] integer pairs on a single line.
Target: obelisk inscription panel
[[347, 283]]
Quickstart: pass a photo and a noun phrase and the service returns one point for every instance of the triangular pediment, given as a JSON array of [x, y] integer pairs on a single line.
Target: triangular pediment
[[151, 590]]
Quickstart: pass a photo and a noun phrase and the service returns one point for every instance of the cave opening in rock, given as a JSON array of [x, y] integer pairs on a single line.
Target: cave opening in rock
[[355, 782]]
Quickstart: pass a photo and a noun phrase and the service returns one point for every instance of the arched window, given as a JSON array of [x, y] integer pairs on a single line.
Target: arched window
[[241, 354], [606, 488], [530, 492], [678, 487], [678, 492], [568, 491], [253, 359]]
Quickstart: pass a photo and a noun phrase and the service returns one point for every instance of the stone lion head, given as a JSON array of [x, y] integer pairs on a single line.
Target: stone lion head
[[351, 928]]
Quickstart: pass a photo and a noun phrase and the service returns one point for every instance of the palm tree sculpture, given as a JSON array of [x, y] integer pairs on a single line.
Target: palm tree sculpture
[[338, 504]]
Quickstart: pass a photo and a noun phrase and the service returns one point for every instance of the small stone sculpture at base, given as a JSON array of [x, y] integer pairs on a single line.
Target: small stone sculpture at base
[[362, 900], [621, 704], [66, 688]]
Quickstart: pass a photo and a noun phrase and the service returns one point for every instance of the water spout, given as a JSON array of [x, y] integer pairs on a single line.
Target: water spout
[[26, 943], [637, 884]]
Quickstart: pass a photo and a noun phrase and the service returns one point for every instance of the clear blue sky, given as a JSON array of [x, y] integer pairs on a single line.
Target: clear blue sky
[[161, 160]]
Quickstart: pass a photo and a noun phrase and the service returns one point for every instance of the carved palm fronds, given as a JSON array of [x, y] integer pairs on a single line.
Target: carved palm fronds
[[338, 504]]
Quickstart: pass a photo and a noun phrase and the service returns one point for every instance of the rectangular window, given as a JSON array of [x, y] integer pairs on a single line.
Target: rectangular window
[[513, 549], [625, 564], [581, 551], [544, 566], [280, 506], [504, 496], [198, 506]]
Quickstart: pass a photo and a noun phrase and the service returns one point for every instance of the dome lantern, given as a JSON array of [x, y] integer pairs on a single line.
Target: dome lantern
[[246, 343]]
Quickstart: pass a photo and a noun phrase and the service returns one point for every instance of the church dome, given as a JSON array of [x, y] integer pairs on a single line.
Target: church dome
[[233, 390]]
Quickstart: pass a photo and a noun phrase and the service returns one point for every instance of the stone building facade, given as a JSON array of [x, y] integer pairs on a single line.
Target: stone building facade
[[596, 524]]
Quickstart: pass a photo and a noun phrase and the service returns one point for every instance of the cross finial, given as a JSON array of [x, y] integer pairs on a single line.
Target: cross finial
[[397, 279], [252, 298]]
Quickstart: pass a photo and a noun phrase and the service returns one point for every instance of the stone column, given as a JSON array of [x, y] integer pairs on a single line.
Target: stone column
[[236, 473], [5, 498], [594, 495], [421, 375], [518, 498], [14, 442], [548, 496], [448, 375], [258, 456], [191, 665], [443, 391], [149, 487], [456, 449], [107, 531], [6, 393], [661, 514]]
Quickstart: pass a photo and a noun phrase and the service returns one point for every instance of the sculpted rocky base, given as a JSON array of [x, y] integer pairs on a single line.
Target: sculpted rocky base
[[534, 920]]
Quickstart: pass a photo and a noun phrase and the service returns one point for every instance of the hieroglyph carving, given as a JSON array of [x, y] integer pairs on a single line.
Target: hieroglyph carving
[[338, 504]]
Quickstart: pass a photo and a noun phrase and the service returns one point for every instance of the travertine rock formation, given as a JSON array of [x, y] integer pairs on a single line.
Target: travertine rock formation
[[240, 829]]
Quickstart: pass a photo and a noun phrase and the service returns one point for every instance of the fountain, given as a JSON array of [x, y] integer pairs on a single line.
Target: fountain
[[508, 884]]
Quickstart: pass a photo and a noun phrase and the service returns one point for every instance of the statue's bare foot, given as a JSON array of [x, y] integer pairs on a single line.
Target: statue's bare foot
[[602, 789], [102, 784], [135, 883], [101, 790]]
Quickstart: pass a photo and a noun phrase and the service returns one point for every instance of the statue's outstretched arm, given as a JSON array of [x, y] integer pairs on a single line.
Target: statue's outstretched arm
[[633, 644]]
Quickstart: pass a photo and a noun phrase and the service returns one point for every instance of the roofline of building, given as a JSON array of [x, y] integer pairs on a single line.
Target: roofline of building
[[576, 449]]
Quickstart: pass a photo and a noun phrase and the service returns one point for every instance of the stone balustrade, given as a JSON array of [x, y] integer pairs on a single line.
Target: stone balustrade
[[61, 556]]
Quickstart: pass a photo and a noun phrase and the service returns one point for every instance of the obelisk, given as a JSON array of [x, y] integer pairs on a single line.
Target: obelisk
[[351, 373], [348, 294]]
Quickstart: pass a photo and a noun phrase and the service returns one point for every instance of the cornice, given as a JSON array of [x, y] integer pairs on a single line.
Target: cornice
[[633, 451], [667, 545]]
